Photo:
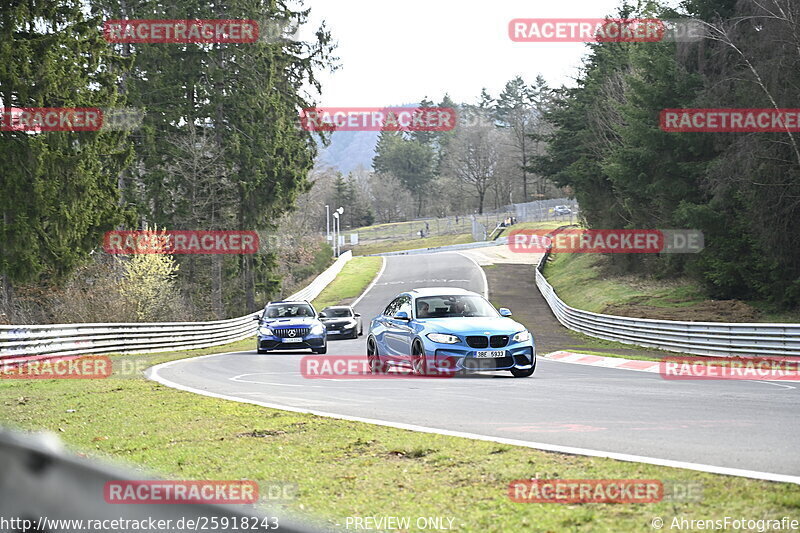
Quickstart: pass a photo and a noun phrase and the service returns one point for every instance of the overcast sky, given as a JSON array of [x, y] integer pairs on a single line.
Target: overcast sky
[[397, 51]]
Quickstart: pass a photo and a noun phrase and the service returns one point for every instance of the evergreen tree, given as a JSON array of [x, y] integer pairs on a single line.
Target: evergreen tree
[[58, 190], [408, 160]]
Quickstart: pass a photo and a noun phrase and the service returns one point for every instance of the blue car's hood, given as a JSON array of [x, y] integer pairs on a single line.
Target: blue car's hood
[[473, 326], [293, 322]]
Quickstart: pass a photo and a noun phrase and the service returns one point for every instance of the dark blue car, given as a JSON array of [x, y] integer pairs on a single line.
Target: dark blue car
[[290, 325]]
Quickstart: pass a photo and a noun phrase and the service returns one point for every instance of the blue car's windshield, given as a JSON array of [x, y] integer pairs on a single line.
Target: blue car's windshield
[[454, 306], [288, 310]]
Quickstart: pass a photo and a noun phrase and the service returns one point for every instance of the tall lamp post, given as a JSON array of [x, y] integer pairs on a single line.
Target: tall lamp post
[[335, 235], [327, 223], [340, 211]]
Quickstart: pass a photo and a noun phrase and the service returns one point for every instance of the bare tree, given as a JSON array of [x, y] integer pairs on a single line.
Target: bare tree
[[391, 201], [475, 156]]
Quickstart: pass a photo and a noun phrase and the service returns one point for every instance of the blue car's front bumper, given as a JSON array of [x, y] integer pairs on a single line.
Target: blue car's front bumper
[[450, 357]]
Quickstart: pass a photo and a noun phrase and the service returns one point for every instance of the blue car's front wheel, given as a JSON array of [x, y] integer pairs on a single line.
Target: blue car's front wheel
[[418, 359], [376, 365]]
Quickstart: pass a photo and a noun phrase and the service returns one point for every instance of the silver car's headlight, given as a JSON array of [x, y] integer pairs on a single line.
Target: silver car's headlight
[[317, 329], [265, 331], [522, 336], [443, 338]]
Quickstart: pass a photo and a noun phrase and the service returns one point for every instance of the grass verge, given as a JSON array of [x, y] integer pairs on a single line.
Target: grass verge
[[548, 224], [350, 283], [346, 469], [583, 281]]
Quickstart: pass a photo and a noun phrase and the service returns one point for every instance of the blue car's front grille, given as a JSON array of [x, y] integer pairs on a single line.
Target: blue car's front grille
[[480, 341], [498, 341], [291, 332], [477, 341]]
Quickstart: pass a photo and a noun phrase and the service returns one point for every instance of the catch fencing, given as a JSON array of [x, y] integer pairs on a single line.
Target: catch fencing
[[479, 225]]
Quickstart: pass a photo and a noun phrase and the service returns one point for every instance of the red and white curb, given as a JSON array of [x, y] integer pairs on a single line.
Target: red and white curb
[[609, 362], [637, 365]]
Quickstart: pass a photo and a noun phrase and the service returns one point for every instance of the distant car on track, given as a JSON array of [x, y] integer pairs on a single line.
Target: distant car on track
[[342, 320], [444, 329], [290, 325], [561, 210]]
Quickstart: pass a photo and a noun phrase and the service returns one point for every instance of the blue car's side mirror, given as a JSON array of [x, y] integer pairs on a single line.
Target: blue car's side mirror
[[401, 315], [504, 311]]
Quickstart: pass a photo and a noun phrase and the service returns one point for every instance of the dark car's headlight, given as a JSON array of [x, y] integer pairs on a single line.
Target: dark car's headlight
[[263, 330], [317, 329], [522, 336], [443, 338]]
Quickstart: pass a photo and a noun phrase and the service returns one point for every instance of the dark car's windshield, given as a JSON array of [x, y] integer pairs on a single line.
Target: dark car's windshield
[[454, 306], [288, 311], [337, 312]]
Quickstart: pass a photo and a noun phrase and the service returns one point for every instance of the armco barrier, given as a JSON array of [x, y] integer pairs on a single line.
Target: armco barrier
[[48, 340], [700, 338], [322, 281]]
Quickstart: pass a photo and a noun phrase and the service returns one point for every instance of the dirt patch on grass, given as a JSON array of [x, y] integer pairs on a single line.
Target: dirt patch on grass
[[514, 286], [710, 311], [262, 433]]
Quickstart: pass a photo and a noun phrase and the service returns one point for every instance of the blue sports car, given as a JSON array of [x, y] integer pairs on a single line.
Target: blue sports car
[[290, 326], [440, 330]]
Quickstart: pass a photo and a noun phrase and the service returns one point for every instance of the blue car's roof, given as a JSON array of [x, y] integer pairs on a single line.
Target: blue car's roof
[[439, 291]]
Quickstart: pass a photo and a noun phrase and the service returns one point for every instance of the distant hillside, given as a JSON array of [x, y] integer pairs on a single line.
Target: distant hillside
[[348, 149]]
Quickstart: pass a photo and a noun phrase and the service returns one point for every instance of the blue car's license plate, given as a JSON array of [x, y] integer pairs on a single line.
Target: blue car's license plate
[[490, 354]]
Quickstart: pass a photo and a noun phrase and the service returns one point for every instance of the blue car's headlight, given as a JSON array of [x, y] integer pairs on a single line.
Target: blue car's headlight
[[522, 336], [264, 331], [317, 329], [443, 338]]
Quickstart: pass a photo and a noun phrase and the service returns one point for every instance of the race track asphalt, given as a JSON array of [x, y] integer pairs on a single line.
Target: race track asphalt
[[710, 425]]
